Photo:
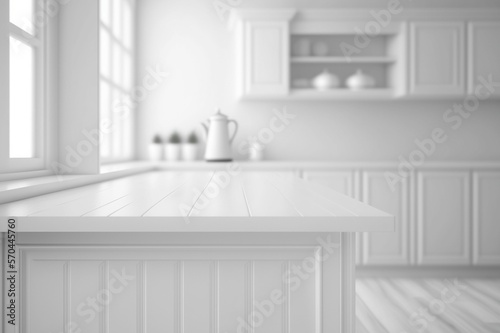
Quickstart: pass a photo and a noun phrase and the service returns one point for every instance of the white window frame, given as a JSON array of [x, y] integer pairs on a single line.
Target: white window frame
[[37, 42]]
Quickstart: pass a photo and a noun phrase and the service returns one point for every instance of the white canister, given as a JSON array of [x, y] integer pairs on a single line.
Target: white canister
[[256, 151], [190, 151], [173, 151]]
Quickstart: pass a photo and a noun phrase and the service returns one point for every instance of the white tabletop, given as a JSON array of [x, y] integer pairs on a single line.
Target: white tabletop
[[221, 201]]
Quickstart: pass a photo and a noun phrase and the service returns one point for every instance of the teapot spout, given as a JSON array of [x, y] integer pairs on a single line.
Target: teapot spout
[[205, 130]]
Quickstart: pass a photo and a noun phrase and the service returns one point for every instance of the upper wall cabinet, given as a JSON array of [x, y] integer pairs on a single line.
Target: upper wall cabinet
[[437, 58], [280, 56], [263, 52], [484, 55], [266, 72], [355, 54]]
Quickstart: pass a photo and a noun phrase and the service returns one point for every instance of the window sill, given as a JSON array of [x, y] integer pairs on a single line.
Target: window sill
[[45, 182], [17, 176]]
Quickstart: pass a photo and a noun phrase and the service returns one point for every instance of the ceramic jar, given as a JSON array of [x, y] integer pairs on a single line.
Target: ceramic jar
[[360, 80], [256, 151], [325, 81]]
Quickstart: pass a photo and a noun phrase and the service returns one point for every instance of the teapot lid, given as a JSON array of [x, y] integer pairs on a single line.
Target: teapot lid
[[218, 116]]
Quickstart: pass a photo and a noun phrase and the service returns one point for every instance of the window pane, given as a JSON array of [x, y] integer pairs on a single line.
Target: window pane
[[22, 13], [22, 100]]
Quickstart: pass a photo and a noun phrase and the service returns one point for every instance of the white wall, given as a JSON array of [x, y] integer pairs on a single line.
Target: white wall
[[79, 86], [189, 40], [52, 86]]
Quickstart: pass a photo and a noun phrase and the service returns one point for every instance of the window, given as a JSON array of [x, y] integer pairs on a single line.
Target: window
[[21, 100], [23, 148], [116, 51]]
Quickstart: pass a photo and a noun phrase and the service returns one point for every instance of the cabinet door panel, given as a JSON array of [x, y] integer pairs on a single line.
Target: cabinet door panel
[[443, 218], [437, 58], [267, 56], [486, 218], [484, 54], [44, 310], [386, 248]]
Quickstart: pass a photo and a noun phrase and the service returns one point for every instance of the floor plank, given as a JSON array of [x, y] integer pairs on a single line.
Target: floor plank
[[427, 305]]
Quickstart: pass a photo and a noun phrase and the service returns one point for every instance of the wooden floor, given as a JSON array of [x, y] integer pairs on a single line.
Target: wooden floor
[[427, 305]]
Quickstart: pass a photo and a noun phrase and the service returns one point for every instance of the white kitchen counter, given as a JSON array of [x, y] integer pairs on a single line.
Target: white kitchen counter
[[19, 186], [197, 247], [183, 201]]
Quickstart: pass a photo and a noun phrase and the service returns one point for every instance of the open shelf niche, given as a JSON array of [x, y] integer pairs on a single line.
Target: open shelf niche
[[382, 58], [268, 64]]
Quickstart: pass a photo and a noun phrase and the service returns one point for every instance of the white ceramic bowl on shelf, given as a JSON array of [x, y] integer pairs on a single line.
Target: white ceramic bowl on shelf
[[359, 81], [325, 81]]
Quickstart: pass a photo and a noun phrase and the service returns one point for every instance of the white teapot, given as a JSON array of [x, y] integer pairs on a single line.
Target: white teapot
[[218, 147]]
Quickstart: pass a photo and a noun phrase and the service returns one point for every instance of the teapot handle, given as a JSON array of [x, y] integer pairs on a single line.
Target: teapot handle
[[235, 129]]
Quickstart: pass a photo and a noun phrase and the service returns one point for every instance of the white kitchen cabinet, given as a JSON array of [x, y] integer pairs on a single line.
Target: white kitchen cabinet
[[268, 70], [486, 218], [483, 55], [437, 59], [387, 248], [263, 40], [443, 218], [263, 247], [169, 289]]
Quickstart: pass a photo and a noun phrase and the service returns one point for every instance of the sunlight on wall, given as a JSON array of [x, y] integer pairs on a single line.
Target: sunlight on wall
[[116, 79]]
